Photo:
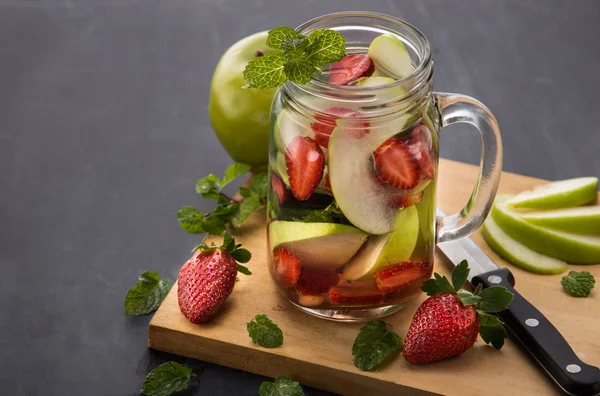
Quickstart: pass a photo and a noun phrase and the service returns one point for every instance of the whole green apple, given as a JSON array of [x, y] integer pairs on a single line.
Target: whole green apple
[[240, 117]]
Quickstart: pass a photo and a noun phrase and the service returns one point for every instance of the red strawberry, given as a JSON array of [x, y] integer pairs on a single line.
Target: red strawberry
[[446, 324], [287, 266], [304, 160], [283, 194], [315, 281], [207, 279], [325, 123], [405, 200], [402, 275], [422, 150], [350, 68], [355, 296], [395, 164]]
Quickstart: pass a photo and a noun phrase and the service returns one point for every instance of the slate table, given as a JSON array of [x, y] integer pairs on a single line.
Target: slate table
[[104, 130]]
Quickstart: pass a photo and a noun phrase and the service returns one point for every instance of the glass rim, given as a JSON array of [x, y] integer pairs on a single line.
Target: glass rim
[[420, 73]]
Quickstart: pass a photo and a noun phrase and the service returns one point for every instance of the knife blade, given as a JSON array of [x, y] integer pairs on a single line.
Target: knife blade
[[528, 326]]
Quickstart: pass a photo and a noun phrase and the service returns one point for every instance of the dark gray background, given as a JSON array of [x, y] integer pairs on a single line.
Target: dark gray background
[[104, 130]]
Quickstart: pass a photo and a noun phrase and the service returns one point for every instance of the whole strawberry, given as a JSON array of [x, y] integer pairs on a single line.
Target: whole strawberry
[[207, 279], [447, 323]]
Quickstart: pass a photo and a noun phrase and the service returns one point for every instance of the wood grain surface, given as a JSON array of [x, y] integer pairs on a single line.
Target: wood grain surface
[[316, 352]]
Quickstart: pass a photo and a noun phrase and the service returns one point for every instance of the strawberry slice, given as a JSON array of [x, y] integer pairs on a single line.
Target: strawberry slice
[[395, 165], [279, 188], [402, 201], [355, 296], [422, 150], [350, 68], [398, 276], [403, 294], [304, 160], [314, 281], [325, 123], [287, 266]]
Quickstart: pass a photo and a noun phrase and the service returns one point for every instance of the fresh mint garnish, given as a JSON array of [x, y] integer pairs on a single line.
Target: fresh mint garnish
[[374, 344], [578, 284], [264, 332], [485, 301], [229, 212], [283, 386], [147, 295], [167, 379], [298, 59]]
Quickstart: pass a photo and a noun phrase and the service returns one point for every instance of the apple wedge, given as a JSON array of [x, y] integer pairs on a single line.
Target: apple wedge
[[517, 253], [390, 56], [556, 195], [581, 220], [572, 248], [318, 245], [383, 250]]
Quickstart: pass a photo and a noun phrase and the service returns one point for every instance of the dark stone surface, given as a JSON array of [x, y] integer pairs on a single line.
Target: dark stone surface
[[104, 129]]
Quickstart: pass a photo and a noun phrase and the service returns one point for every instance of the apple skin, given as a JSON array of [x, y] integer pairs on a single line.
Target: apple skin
[[572, 248], [240, 117], [556, 195], [518, 254]]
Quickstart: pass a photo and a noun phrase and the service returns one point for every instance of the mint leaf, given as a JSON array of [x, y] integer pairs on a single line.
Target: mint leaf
[[283, 386], [294, 44], [327, 46], [260, 186], [167, 379], [227, 212], [331, 214], [495, 299], [299, 70], [468, 298], [247, 207], [207, 187], [578, 284], [191, 220], [213, 225], [374, 344], [266, 71], [277, 36], [264, 332], [439, 285], [147, 295], [491, 329], [233, 172], [460, 274]]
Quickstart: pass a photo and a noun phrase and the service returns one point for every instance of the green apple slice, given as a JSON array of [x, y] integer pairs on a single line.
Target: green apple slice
[[318, 245], [517, 253], [390, 56], [556, 195], [286, 129], [359, 193], [374, 81], [383, 250], [572, 248], [581, 220]]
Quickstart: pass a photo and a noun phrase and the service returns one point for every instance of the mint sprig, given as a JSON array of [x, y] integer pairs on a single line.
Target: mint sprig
[[374, 344], [146, 296], [283, 386], [578, 284], [264, 332], [166, 379], [229, 212], [298, 59], [490, 300]]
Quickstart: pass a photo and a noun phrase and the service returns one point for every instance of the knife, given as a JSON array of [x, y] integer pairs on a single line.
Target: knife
[[532, 330]]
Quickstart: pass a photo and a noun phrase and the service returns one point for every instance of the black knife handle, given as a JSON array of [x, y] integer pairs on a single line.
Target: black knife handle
[[540, 338]]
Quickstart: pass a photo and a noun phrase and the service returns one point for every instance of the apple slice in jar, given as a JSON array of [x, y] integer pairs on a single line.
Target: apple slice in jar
[[383, 250], [325, 246], [390, 57]]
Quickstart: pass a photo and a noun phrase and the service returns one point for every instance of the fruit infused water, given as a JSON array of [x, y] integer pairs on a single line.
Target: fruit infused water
[[352, 193]]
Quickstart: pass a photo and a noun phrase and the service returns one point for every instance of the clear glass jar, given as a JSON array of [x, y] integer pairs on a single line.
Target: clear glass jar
[[355, 248]]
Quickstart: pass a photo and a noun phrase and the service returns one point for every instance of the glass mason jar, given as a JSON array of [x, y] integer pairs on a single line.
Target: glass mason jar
[[355, 247]]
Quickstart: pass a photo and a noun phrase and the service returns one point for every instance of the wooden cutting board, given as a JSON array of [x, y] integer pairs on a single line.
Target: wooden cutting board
[[317, 352]]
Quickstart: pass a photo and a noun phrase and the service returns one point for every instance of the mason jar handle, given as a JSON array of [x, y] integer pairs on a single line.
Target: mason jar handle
[[457, 108]]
